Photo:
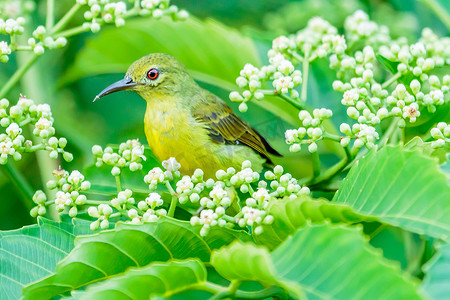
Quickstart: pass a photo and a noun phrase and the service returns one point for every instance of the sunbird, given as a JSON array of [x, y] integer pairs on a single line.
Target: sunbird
[[185, 121]]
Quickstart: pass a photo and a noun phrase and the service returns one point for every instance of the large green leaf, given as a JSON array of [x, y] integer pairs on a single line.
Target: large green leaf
[[245, 262], [113, 251], [401, 188], [212, 52], [337, 262], [291, 214], [162, 279], [437, 274], [32, 252]]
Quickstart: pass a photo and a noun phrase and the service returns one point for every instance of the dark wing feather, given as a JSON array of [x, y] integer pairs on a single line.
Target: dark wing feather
[[225, 127]]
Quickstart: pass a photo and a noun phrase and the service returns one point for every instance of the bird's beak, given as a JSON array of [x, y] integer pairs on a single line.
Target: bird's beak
[[121, 85]]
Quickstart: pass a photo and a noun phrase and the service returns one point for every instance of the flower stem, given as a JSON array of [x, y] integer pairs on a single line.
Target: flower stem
[[391, 80], [21, 184], [50, 14], [173, 202], [17, 76], [72, 31], [291, 101], [118, 183], [305, 78], [173, 205], [66, 18], [229, 218], [316, 164]]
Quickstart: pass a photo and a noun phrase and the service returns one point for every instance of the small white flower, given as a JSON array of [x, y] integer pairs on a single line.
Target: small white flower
[[171, 165], [154, 200], [75, 177], [411, 112], [154, 176], [13, 130], [283, 84], [350, 97], [4, 48], [208, 217], [185, 185], [43, 123]]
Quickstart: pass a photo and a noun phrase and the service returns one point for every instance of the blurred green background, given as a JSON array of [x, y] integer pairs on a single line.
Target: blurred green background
[[215, 43]]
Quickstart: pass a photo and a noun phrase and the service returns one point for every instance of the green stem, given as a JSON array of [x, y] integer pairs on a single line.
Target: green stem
[[173, 205], [21, 184], [66, 18], [291, 101], [229, 218], [389, 132], [316, 164], [305, 78], [173, 201], [118, 183], [50, 14], [72, 32], [391, 80], [13, 80], [439, 11], [333, 137]]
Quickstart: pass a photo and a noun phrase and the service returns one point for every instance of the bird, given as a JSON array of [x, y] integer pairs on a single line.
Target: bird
[[191, 124]]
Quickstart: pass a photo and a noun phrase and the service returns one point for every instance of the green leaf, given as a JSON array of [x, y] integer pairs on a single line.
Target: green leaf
[[336, 262], [247, 262], [291, 214], [32, 252], [402, 188], [212, 52], [390, 65], [113, 251], [437, 274], [162, 279]]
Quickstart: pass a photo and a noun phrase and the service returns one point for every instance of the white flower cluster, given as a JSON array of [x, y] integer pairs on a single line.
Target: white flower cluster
[[130, 155], [318, 39], [41, 41], [363, 134], [102, 213], [11, 27], [171, 167], [68, 196], [149, 209], [254, 212], [13, 118], [159, 8], [106, 12], [358, 27], [101, 11], [312, 129], [441, 134]]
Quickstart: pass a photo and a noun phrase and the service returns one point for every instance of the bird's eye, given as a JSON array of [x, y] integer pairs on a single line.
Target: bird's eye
[[152, 74]]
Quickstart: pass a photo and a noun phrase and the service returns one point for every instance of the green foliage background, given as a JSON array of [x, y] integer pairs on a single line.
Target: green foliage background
[[214, 44]]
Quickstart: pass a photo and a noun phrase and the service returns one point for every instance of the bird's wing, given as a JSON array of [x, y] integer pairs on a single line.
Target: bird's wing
[[224, 127]]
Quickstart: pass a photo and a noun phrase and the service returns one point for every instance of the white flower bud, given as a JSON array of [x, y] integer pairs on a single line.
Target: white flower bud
[[312, 148], [243, 107], [352, 112], [345, 128], [436, 133]]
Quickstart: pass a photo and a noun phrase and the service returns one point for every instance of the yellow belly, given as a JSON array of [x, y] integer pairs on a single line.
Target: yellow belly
[[172, 132]]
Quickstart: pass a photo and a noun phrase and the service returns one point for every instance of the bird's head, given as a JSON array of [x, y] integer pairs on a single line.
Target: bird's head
[[153, 74]]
